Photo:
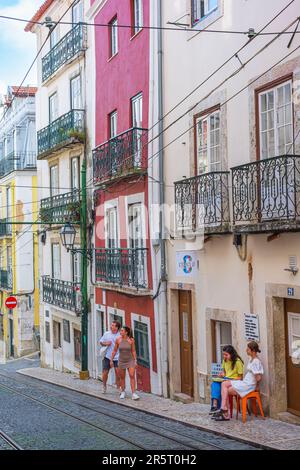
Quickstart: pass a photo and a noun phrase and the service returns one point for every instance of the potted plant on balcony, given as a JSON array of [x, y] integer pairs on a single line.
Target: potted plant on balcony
[[76, 135], [73, 212]]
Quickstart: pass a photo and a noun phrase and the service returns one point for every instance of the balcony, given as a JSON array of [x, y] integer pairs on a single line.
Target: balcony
[[63, 294], [5, 228], [124, 267], [121, 156], [266, 195], [61, 208], [5, 279], [202, 204], [66, 131], [17, 161], [67, 48]]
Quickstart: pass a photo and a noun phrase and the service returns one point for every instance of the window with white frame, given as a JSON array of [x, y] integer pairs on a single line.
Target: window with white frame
[[113, 124], [76, 267], [114, 37], [77, 13], [54, 184], [137, 6], [293, 331], [112, 227], [276, 121], [202, 8], [222, 337], [76, 96], [55, 254], [208, 143], [54, 37], [53, 107]]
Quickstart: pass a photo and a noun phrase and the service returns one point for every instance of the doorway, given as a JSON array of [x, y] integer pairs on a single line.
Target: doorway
[[186, 343], [292, 343]]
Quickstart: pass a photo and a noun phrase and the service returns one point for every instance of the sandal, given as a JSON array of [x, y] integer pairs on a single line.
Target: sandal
[[214, 410], [221, 416]]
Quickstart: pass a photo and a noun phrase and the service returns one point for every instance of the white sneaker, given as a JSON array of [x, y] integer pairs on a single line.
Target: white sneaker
[[104, 389], [135, 396], [122, 395]]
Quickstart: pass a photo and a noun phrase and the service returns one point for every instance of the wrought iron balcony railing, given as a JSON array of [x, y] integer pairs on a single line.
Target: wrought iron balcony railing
[[6, 279], [266, 195], [61, 208], [121, 156], [63, 294], [5, 228], [17, 161], [67, 48], [64, 131], [125, 267], [202, 203]]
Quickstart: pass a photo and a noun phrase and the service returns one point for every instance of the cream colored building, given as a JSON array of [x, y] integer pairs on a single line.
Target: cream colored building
[[61, 140], [239, 141]]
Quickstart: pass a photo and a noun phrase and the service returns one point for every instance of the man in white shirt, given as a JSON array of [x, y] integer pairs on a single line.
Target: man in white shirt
[[109, 339]]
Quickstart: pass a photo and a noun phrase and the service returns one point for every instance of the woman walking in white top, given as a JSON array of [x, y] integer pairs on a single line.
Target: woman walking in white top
[[253, 376]]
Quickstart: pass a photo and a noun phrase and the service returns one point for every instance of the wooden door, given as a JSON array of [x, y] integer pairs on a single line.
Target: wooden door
[[292, 340], [186, 343]]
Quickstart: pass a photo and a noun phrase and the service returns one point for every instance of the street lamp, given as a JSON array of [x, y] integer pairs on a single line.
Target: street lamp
[[67, 236]]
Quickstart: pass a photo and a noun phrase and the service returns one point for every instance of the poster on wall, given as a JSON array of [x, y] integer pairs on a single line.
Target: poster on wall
[[251, 325], [186, 263]]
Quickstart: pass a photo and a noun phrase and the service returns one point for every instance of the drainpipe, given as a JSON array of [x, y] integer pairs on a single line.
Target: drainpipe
[[163, 315]]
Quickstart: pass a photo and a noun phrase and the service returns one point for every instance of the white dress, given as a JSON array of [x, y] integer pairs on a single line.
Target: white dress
[[248, 384]]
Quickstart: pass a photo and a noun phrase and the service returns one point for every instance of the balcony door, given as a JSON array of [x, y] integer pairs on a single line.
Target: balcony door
[[136, 244], [76, 95], [137, 122], [75, 173], [113, 264], [208, 190], [276, 177], [8, 209], [56, 272], [113, 145], [77, 13], [53, 107], [54, 184], [9, 266]]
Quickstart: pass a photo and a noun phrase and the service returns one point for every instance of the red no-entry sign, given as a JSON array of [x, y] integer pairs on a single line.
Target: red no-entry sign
[[11, 302]]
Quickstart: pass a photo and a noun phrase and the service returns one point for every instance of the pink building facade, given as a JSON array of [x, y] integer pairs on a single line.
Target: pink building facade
[[123, 270]]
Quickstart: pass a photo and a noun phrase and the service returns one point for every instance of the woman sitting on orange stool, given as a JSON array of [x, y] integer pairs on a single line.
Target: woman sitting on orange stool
[[241, 387]]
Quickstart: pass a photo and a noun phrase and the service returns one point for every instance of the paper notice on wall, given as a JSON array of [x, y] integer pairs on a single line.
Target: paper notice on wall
[[251, 325]]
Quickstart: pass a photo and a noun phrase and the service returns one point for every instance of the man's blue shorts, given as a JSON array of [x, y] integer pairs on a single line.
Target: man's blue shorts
[[106, 364]]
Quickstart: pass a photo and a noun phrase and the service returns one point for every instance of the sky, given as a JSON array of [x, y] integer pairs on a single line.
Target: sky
[[17, 48]]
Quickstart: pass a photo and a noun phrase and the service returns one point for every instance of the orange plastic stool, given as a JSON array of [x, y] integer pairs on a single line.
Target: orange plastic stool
[[254, 397]]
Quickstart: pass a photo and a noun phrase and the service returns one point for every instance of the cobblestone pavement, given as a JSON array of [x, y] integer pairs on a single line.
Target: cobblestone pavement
[[41, 415], [266, 432]]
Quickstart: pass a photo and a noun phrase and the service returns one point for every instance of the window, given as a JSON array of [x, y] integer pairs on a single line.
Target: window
[[142, 343], [53, 107], [202, 8], [76, 99], [47, 332], [77, 13], [77, 345], [208, 143], [112, 228], [75, 173], [113, 31], [8, 208], [137, 110], [55, 248], [115, 317], [135, 225], [54, 37], [66, 327], [137, 16], [113, 124], [56, 334], [222, 336], [293, 331], [76, 267], [276, 121], [54, 185]]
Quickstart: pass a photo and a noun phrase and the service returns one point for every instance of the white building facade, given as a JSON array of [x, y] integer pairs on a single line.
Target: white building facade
[[19, 327], [232, 170], [61, 141]]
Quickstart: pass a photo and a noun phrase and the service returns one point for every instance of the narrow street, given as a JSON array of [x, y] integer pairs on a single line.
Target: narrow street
[[53, 418]]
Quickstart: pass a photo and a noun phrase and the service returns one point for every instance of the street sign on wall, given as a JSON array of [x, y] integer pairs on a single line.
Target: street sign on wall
[[11, 302], [251, 327]]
